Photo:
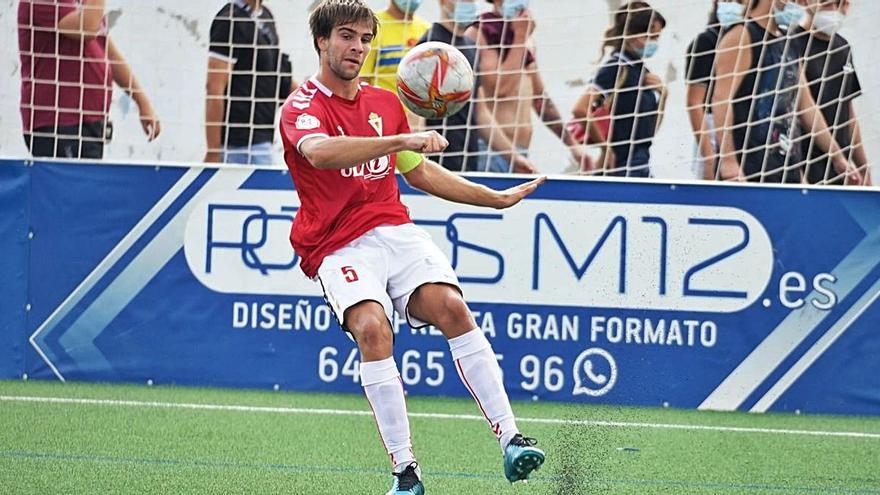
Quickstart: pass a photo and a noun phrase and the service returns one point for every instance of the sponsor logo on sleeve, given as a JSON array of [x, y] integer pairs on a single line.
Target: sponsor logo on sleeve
[[306, 122]]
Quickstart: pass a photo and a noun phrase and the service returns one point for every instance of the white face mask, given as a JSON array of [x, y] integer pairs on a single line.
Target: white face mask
[[729, 13], [790, 15], [828, 21]]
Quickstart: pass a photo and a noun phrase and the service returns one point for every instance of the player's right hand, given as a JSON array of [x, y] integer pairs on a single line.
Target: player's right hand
[[512, 196], [424, 142]]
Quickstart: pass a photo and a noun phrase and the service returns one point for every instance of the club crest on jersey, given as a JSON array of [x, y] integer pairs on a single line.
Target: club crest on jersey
[[306, 122], [376, 122]]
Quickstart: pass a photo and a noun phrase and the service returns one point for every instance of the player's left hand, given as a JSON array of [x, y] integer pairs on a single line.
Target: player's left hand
[[512, 196]]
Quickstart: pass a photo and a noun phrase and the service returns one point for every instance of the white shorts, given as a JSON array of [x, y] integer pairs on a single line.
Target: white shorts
[[386, 265]]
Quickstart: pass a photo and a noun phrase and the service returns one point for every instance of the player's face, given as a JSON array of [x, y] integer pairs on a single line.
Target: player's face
[[347, 48]]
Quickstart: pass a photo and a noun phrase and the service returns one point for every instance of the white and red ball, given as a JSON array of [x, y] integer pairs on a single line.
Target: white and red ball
[[434, 80]]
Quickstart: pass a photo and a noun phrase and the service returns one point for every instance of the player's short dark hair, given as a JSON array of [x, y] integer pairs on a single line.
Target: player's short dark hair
[[332, 13]]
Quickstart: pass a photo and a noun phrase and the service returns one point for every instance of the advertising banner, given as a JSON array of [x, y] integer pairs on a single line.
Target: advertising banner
[[687, 295], [14, 187]]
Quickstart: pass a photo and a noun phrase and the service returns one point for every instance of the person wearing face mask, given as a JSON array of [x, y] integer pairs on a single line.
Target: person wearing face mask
[[625, 91], [760, 97], [399, 30], [510, 81], [834, 84], [699, 66], [465, 128]]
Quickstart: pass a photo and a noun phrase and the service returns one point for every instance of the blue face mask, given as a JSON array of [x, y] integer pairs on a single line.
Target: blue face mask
[[729, 13], [790, 15], [465, 13], [649, 50], [512, 8], [408, 6]]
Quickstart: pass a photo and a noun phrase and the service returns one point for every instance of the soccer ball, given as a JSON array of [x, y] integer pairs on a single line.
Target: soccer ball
[[434, 80]]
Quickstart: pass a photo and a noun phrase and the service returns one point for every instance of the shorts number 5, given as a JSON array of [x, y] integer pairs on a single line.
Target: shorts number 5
[[349, 274]]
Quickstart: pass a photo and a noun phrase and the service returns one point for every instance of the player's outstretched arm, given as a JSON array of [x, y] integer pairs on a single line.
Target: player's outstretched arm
[[437, 181], [342, 152]]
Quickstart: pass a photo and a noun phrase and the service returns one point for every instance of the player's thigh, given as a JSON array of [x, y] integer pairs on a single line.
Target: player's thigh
[[350, 276], [417, 262]]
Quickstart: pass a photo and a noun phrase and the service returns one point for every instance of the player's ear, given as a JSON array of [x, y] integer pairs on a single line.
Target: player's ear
[[323, 44]]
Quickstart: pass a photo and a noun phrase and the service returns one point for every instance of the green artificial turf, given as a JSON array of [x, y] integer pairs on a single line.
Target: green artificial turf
[[150, 446]]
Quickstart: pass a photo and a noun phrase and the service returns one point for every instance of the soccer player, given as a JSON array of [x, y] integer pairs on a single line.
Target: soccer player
[[343, 141]]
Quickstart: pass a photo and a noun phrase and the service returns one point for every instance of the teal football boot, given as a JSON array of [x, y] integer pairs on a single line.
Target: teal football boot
[[521, 457]]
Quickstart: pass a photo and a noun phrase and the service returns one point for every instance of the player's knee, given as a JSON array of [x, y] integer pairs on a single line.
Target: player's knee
[[370, 331], [454, 313], [375, 338]]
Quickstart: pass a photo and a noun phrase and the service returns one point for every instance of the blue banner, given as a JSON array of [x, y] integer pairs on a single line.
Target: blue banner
[[14, 196], [688, 295]]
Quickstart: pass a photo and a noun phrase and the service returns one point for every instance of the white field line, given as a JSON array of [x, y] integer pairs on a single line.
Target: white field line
[[468, 417]]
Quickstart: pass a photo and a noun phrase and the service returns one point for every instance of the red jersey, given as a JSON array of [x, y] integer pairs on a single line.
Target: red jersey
[[338, 206], [63, 81]]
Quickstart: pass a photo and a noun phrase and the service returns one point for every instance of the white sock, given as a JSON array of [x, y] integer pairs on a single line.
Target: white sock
[[480, 373], [384, 391]]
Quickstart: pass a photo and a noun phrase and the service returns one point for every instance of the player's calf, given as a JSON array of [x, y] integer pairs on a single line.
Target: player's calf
[[478, 369]]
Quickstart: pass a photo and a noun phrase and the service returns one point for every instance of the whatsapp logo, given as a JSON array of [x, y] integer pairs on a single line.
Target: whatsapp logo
[[595, 373]]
